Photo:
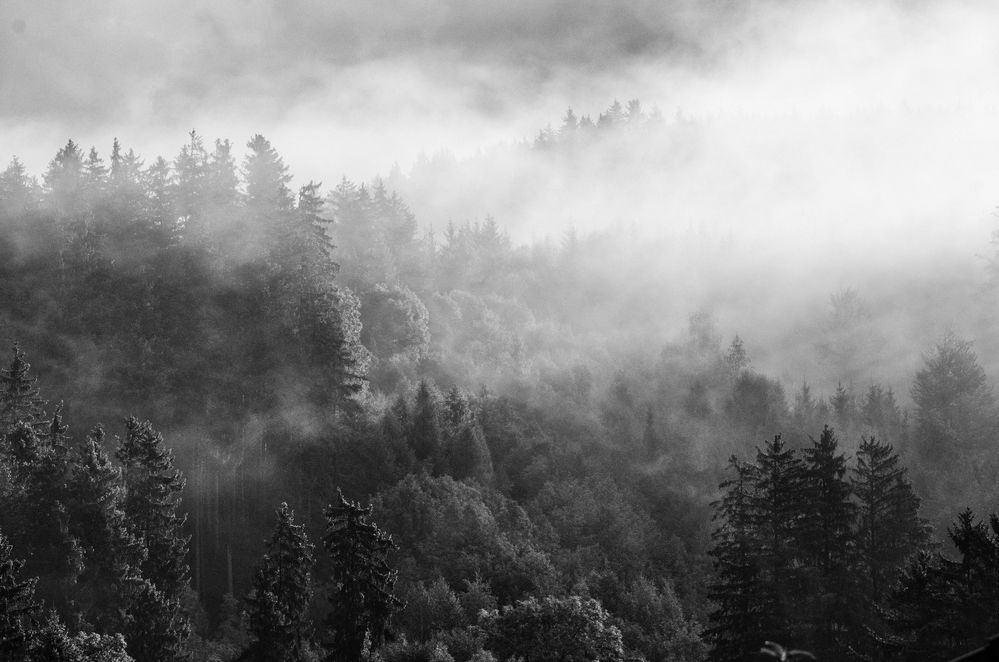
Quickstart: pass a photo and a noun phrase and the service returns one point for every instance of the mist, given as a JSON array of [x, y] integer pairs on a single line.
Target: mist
[[571, 262]]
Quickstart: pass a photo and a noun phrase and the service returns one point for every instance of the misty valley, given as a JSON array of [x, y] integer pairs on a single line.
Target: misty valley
[[246, 417]]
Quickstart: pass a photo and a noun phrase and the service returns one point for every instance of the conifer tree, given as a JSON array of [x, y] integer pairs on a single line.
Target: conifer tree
[[152, 502], [19, 193], [468, 455], [827, 545], [775, 510], [19, 399], [19, 612], [889, 528], [735, 629], [64, 180], [361, 584], [278, 605], [425, 436], [113, 555], [942, 605]]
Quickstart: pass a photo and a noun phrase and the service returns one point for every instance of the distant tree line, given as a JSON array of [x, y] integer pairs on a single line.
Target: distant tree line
[[531, 463]]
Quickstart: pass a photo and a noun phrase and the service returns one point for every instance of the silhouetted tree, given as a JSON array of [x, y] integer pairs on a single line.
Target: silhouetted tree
[[278, 604], [361, 582]]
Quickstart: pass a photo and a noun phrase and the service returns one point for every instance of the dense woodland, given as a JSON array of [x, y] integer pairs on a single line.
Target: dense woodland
[[242, 422]]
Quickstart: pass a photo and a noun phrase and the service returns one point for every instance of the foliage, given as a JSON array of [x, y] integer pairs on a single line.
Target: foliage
[[278, 604], [361, 582], [554, 629]]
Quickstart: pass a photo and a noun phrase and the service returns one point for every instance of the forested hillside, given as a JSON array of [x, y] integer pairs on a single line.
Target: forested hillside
[[210, 377]]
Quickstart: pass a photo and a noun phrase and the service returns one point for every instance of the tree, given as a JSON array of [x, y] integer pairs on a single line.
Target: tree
[[889, 528], [468, 456], [735, 628], [954, 428], [757, 403], [64, 180], [112, 553], [425, 435], [827, 545], [279, 602], [653, 623], [19, 400], [18, 610], [758, 554], [775, 511], [152, 504], [361, 582], [571, 629], [941, 604]]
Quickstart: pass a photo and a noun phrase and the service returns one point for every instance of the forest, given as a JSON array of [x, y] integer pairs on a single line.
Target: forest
[[242, 421]]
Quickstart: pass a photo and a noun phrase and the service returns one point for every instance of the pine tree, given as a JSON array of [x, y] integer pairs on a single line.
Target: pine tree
[[942, 605], [776, 507], [954, 430], [152, 504], [889, 528], [468, 455], [19, 193], [19, 400], [113, 555], [64, 180], [735, 629], [278, 605], [152, 501], [827, 546], [425, 437], [18, 611], [361, 583]]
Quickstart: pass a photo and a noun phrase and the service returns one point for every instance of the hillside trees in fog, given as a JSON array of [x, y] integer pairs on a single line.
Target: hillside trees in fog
[[954, 426], [808, 553], [941, 603], [524, 437]]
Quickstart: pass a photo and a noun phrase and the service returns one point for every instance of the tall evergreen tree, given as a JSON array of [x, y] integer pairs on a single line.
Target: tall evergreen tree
[[19, 612], [112, 553], [889, 528], [152, 504], [827, 546], [19, 399], [425, 436], [361, 583], [735, 629], [942, 605], [776, 508], [278, 605]]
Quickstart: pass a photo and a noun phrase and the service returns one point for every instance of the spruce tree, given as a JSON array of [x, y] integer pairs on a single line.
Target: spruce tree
[[735, 627], [158, 626], [889, 529], [19, 612], [278, 605], [827, 546], [152, 504], [775, 510], [19, 399], [112, 553], [942, 605], [425, 428], [361, 584], [468, 455]]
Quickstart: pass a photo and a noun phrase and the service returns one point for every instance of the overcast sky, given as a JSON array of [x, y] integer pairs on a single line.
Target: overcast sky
[[350, 87]]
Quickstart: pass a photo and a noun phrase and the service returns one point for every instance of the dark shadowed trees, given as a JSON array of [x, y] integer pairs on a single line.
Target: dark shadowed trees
[[278, 604], [361, 584]]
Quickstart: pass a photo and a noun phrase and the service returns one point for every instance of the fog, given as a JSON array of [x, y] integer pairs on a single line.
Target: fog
[[804, 148]]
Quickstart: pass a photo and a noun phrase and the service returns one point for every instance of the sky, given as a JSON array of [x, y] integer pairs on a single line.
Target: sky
[[867, 114]]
